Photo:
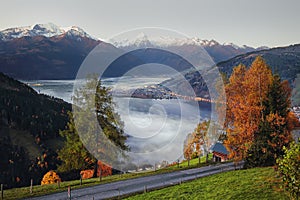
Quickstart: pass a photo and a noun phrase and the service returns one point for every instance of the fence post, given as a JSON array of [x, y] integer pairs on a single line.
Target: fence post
[[1, 191], [31, 185], [178, 163], [58, 183], [100, 175], [69, 192]]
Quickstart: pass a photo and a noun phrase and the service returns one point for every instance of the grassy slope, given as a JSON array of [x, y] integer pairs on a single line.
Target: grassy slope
[[39, 190], [257, 183]]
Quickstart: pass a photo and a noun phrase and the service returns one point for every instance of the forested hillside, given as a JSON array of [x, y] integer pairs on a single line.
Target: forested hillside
[[29, 132]]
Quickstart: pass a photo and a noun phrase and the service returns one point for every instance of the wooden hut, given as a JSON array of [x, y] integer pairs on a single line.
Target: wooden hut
[[220, 153]]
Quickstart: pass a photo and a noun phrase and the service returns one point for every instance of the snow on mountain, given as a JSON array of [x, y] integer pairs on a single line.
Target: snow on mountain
[[218, 52], [75, 31], [47, 30], [165, 42], [234, 45], [142, 40]]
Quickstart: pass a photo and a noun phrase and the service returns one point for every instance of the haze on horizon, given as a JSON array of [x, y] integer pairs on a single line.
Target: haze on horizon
[[255, 23]]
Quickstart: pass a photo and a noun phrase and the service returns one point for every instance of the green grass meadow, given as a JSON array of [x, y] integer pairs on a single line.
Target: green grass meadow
[[251, 184], [257, 183]]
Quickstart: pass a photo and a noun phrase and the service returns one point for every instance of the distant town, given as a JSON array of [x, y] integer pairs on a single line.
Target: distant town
[[157, 91]]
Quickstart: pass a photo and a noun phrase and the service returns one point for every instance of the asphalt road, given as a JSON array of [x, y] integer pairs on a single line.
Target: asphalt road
[[138, 185]]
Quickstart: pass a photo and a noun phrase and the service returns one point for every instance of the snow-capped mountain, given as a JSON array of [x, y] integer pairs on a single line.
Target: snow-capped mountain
[[47, 30], [47, 51], [219, 52], [143, 40]]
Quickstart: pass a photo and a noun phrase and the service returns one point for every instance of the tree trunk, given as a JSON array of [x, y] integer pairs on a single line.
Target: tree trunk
[[100, 175], [95, 168]]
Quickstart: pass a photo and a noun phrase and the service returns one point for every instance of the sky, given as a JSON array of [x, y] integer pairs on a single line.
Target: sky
[[253, 22]]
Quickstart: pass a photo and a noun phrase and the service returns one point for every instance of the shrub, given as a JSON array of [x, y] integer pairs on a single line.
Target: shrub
[[50, 178], [289, 167]]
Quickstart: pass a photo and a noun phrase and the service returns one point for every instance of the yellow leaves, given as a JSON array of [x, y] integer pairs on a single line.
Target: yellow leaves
[[50, 178], [188, 146], [245, 92], [199, 138], [275, 120]]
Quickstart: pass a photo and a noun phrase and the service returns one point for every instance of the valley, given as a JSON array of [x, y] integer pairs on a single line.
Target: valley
[[152, 98]]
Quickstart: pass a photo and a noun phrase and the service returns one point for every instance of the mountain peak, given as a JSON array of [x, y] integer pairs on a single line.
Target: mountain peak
[[143, 40], [46, 30]]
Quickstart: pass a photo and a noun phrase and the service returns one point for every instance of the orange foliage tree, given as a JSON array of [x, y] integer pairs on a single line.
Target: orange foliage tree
[[258, 119], [201, 138], [245, 93], [275, 128], [103, 169], [198, 140], [188, 147]]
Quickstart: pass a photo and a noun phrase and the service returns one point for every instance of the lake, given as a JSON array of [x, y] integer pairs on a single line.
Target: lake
[[157, 128]]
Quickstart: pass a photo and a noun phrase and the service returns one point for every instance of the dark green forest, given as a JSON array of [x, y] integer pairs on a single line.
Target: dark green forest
[[29, 132]]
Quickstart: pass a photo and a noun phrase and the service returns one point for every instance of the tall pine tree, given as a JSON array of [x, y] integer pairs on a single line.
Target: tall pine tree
[[87, 142], [275, 127]]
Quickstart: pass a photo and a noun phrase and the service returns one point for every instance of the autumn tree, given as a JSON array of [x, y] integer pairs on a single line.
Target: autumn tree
[[245, 93], [202, 139], [199, 140], [275, 127], [188, 147]]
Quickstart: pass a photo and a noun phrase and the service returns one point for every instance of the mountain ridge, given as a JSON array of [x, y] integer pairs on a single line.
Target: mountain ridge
[[47, 51], [217, 51], [47, 30], [40, 57], [283, 60]]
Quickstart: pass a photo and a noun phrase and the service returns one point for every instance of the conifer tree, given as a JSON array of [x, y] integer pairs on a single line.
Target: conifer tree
[[275, 128], [95, 142]]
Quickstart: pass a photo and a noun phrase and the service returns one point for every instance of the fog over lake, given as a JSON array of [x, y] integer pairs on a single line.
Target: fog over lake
[[156, 128]]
